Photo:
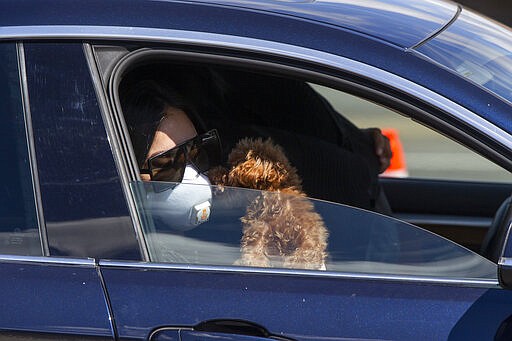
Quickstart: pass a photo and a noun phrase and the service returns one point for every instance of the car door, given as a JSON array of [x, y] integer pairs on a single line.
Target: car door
[[385, 279], [42, 297]]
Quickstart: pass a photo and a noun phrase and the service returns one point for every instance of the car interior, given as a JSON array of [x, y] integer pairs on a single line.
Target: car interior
[[245, 104], [332, 155]]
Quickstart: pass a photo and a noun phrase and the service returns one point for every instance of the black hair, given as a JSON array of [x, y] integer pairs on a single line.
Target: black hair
[[143, 103]]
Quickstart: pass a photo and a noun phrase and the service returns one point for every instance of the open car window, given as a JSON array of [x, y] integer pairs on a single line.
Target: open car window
[[421, 152], [320, 130], [182, 231]]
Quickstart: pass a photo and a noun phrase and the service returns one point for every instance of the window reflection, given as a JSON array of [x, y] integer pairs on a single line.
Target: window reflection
[[359, 241], [476, 49]]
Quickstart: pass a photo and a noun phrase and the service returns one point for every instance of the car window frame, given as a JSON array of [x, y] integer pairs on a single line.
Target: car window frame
[[341, 78], [32, 152]]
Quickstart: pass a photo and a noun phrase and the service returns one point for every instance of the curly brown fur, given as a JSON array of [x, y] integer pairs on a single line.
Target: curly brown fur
[[262, 165], [281, 227]]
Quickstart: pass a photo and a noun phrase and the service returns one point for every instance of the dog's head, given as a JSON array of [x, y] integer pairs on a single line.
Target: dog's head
[[261, 164]]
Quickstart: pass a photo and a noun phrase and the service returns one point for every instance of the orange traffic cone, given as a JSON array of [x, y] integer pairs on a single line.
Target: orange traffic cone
[[397, 167]]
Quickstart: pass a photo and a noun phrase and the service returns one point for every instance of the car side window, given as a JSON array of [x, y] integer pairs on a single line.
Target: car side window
[[19, 232], [358, 241], [221, 223]]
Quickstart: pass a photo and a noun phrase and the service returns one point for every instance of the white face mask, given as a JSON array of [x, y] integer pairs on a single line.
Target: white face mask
[[184, 206]]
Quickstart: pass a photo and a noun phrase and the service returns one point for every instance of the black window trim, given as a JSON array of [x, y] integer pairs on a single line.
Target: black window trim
[[31, 150], [112, 122]]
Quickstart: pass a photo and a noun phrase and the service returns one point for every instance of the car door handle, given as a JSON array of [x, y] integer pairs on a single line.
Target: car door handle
[[218, 329]]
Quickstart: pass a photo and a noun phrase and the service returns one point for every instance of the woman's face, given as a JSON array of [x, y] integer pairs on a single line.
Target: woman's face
[[174, 129]]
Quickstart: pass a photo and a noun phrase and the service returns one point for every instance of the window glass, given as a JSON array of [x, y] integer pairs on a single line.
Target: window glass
[[19, 232], [85, 210], [330, 158], [476, 49], [426, 153], [178, 229]]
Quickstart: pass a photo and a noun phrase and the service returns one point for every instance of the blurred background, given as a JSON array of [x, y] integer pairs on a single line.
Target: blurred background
[[499, 10], [425, 153]]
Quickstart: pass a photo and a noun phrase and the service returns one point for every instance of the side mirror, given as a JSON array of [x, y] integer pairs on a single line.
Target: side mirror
[[505, 260]]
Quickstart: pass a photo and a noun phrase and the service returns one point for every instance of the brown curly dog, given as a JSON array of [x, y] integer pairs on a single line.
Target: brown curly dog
[[281, 227]]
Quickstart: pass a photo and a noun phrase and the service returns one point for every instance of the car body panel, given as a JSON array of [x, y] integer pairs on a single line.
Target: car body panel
[[400, 23], [59, 298], [286, 305], [88, 210]]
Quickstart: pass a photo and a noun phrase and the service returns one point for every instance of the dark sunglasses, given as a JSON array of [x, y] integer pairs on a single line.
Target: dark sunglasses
[[203, 151]]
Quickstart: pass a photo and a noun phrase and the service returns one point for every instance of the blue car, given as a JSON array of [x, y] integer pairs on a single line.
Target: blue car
[[90, 251]]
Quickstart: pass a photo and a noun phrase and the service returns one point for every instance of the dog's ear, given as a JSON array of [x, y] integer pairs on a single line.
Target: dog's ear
[[262, 165], [218, 175]]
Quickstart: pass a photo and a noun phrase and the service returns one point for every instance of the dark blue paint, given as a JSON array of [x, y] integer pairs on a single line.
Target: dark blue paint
[[58, 299], [491, 310], [80, 187], [299, 28], [402, 23], [298, 307], [397, 22]]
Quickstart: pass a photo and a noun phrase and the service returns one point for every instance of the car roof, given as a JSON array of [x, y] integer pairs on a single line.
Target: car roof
[[400, 22], [403, 23]]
